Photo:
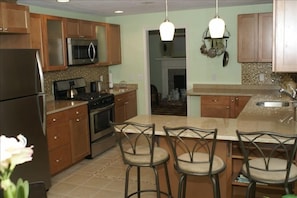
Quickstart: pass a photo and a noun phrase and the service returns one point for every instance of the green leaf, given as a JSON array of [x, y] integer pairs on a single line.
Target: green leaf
[[22, 189]]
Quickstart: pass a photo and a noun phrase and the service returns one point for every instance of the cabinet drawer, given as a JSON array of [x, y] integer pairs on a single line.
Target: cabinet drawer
[[57, 136], [55, 118], [215, 100], [60, 158], [78, 112]]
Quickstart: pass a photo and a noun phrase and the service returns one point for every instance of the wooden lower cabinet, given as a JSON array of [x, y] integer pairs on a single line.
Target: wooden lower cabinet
[[67, 137], [222, 106], [125, 106]]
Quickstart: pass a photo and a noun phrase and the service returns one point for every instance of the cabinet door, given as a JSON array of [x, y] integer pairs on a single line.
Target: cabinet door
[[80, 136], [14, 18], [86, 29], [265, 37], [237, 105], [114, 44], [285, 43], [54, 43], [247, 37], [36, 35], [72, 28], [109, 39], [215, 106], [131, 105], [101, 35], [119, 108]]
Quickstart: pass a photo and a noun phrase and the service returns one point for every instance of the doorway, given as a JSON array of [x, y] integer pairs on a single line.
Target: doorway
[[168, 80]]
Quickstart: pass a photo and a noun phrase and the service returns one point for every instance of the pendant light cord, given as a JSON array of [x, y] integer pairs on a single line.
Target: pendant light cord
[[217, 9], [166, 11]]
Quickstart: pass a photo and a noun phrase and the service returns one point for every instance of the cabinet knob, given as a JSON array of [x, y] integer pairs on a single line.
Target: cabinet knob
[[227, 107], [77, 120], [54, 119], [214, 100], [55, 137], [57, 160], [77, 112]]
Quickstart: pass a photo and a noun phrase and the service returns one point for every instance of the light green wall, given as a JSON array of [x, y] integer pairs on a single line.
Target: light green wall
[[200, 69]]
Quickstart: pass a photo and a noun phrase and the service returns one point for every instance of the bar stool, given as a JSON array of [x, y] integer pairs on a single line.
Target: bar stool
[[139, 148], [193, 150], [269, 165]]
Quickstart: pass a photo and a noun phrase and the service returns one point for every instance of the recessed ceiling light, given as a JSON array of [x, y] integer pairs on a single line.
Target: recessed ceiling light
[[119, 11], [63, 1]]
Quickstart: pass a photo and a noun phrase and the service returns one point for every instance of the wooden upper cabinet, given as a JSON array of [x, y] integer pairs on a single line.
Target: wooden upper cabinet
[[14, 18], [79, 28], [109, 39], [285, 42], [254, 39], [114, 41], [36, 35], [54, 45]]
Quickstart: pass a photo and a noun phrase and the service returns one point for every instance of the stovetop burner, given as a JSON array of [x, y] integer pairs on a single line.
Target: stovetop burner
[[90, 96], [95, 99]]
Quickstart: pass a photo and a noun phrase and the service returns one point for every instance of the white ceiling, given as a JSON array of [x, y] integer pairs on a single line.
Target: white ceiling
[[130, 7]]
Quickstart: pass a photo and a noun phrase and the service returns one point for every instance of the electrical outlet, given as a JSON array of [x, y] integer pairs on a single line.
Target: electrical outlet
[[261, 77]]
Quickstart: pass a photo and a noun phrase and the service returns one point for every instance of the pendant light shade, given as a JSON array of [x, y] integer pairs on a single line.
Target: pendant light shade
[[216, 25], [166, 28]]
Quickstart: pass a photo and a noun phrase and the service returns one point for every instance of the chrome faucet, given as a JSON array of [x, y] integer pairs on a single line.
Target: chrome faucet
[[292, 94]]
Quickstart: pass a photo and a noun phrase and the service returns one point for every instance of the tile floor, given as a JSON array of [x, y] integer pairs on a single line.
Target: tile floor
[[101, 177]]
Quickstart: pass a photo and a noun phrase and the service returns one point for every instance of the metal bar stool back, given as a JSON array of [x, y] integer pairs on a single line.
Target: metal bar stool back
[[271, 163], [139, 148], [194, 154]]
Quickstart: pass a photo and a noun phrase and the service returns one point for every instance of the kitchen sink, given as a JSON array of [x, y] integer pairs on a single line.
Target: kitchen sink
[[273, 104]]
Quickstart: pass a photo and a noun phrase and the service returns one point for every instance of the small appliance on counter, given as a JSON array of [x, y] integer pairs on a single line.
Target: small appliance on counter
[[100, 109], [96, 86]]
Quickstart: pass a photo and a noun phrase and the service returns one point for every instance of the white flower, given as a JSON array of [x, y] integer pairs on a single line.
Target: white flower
[[14, 152]]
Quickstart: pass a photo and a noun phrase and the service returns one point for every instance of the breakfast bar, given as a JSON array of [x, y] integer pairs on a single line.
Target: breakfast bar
[[251, 118]]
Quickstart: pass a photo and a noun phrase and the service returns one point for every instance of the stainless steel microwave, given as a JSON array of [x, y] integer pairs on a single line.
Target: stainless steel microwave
[[82, 51]]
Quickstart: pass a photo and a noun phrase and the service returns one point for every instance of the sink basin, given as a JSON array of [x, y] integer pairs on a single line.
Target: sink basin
[[273, 104]]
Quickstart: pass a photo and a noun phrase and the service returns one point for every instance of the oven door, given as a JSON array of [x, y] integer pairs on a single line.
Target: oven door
[[100, 119]]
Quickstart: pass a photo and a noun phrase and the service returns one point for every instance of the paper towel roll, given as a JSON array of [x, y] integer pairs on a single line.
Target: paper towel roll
[[110, 81], [110, 77]]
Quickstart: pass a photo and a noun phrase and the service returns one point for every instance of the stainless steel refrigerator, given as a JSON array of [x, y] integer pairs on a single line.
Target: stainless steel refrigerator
[[22, 109]]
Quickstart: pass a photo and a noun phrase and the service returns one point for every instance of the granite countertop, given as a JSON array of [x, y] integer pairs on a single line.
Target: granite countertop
[[252, 118], [55, 106]]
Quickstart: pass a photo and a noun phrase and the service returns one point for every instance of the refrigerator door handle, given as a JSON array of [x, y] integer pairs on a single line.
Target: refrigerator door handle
[[40, 80], [41, 96]]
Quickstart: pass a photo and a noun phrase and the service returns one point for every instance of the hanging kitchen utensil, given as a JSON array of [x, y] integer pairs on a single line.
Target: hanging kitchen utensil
[[220, 47], [225, 59], [212, 51], [203, 48], [226, 56]]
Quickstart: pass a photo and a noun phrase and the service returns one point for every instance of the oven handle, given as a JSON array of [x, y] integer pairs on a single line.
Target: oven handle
[[98, 110]]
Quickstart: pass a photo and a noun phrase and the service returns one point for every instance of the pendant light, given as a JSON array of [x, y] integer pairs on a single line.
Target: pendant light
[[166, 28], [216, 25]]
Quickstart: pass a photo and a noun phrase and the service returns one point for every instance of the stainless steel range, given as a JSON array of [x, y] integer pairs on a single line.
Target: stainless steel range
[[101, 112]]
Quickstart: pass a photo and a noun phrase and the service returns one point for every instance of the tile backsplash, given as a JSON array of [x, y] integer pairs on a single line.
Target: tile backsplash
[[261, 74], [88, 72]]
